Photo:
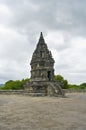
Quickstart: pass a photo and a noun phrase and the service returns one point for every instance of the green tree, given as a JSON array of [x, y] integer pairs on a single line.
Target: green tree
[[60, 79], [15, 85], [73, 86], [82, 86]]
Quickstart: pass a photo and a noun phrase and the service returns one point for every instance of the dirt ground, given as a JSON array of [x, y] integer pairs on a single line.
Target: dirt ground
[[43, 113]]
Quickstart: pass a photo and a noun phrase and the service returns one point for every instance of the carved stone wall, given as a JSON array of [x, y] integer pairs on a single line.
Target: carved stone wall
[[42, 62]]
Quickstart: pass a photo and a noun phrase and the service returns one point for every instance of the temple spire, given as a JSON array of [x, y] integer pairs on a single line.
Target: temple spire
[[41, 35], [41, 39]]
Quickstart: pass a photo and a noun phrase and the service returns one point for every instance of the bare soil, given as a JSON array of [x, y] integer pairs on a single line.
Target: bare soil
[[43, 113]]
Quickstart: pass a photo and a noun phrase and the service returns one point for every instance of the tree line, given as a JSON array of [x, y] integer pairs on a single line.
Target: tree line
[[19, 84], [66, 85]]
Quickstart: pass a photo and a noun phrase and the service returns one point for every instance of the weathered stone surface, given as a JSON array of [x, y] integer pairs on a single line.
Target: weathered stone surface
[[42, 71], [19, 112], [42, 63]]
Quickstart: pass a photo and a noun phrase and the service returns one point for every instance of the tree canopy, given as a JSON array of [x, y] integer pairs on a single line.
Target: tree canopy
[[19, 84], [63, 81], [15, 85]]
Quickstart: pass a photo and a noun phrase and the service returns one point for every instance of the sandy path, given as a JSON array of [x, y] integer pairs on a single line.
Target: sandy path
[[43, 113]]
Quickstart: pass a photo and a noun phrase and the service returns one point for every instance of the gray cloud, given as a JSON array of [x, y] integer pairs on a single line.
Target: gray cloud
[[69, 15], [64, 27]]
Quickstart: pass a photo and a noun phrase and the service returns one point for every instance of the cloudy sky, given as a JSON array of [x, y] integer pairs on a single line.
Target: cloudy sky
[[63, 23]]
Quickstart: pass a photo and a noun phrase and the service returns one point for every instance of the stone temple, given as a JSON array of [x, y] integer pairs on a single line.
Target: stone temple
[[42, 79]]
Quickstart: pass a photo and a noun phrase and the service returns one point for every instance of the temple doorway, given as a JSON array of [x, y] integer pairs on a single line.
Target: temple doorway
[[49, 75]]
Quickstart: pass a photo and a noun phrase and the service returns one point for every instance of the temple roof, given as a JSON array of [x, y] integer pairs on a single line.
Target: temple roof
[[42, 53]]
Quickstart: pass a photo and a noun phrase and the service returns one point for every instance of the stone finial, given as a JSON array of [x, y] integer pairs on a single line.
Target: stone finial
[[41, 39]]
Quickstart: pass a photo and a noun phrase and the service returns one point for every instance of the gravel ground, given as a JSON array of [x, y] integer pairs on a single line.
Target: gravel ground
[[43, 113]]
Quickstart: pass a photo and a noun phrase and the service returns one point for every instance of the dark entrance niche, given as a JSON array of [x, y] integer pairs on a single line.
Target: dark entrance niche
[[49, 75]]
